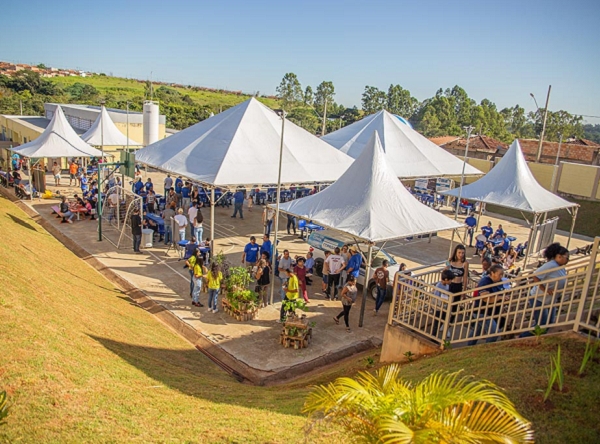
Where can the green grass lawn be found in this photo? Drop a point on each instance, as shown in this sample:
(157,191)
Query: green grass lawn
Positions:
(588,217)
(81,363)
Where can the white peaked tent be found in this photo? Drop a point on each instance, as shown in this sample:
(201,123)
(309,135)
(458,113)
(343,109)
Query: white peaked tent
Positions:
(59,139)
(370,203)
(112,135)
(240,146)
(511,184)
(408,153)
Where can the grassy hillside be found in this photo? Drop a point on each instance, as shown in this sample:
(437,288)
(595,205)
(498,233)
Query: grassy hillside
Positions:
(128,89)
(83,364)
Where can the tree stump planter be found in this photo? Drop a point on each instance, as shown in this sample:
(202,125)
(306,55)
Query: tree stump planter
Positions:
(295,333)
(243,313)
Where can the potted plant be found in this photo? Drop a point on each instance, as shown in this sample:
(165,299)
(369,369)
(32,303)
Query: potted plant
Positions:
(296,332)
(239,302)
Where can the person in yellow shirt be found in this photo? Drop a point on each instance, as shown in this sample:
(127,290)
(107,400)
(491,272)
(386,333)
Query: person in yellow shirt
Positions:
(214,278)
(199,271)
(291,292)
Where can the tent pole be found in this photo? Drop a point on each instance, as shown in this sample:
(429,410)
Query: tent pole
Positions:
(530,241)
(478,224)
(574,219)
(281,114)
(30,179)
(212,222)
(462,176)
(451,242)
(365,291)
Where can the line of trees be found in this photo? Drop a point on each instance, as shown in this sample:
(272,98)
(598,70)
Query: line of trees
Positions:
(444,114)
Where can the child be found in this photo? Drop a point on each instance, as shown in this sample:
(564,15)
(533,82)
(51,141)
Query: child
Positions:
(250,202)
(325,272)
(440,312)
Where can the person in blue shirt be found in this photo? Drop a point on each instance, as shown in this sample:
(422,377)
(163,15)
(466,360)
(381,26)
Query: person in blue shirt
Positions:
(310,263)
(499,233)
(84,183)
(186,197)
(138,186)
(267,246)
(484,298)
(354,263)
(149,184)
(471,222)
(251,252)
(488,230)
(238,201)
(178,187)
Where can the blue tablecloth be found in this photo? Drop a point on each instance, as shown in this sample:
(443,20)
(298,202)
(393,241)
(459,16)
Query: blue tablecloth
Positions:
(156,219)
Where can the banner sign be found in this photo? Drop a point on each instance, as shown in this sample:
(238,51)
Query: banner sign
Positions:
(322,242)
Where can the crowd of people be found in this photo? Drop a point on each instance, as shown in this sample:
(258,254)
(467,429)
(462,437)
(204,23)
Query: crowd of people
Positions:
(494,278)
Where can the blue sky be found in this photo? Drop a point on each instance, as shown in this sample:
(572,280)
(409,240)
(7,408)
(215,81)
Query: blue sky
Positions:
(497,50)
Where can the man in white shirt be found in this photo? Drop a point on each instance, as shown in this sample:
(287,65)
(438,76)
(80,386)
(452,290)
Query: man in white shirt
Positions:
(267,219)
(480,240)
(113,201)
(181,222)
(192,212)
(336,264)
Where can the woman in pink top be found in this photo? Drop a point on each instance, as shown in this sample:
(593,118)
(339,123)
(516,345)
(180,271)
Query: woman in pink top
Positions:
(300,271)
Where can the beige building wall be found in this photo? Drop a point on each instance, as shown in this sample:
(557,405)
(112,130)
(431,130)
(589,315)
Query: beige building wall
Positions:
(543,173)
(136,131)
(481,164)
(577,179)
(19,132)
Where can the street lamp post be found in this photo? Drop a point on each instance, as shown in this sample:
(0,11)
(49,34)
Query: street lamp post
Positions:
(100,173)
(281,113)
(539,151)
(462,176)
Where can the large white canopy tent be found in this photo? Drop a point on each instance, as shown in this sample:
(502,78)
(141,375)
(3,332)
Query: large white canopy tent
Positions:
(241,146)
(369,203)
(59,139)
(511,184)
(104,132)
(408,153)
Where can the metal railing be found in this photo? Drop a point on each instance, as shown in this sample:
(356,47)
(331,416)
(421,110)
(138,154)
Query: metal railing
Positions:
(570,301)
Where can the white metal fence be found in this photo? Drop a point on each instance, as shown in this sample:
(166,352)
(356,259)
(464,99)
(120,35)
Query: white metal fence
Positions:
(447,318)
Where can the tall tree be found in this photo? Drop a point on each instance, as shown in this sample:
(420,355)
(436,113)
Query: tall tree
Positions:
(289,91)
(309,96)
(373,100)
(323,98)
(517,123)
(557,122)
(399,101)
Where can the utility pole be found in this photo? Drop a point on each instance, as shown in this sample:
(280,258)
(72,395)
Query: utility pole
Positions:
(324,116)
(560,137)
(539,152)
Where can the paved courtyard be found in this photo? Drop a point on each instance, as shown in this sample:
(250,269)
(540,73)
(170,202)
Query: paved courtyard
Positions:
(160,275)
